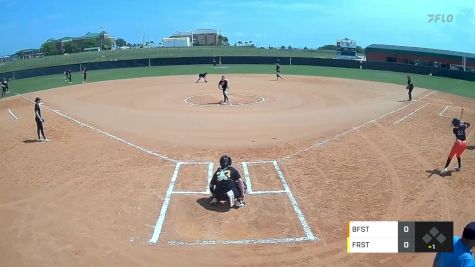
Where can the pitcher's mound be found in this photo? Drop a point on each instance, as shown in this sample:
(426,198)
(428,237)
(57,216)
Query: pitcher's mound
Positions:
(215,100)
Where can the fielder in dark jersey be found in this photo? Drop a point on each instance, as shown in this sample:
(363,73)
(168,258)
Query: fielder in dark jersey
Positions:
(277,71)
(68,75)
(227,184)
(223,85)
(409,87)
(5,83)
(39,121)
(460,143)
(4,87)
(84,72)
(202,75)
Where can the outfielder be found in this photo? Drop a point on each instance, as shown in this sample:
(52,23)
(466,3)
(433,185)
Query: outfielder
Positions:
(227,184)
(5,84)
(277,70)
(4,87)
(68,75)
(223,85)
(84,75)
(460,143)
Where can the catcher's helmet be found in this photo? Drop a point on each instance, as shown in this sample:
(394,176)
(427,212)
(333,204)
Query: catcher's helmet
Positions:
(225,161)
(455,122)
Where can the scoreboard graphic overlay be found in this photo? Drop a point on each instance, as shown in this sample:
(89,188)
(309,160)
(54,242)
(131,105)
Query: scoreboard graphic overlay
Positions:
(395,237)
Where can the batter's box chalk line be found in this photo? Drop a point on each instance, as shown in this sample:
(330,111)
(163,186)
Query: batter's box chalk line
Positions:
(308,234)
(451,109)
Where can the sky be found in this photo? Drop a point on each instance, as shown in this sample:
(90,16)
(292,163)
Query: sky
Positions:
(298,23)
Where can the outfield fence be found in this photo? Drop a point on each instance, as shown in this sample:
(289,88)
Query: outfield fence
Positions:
(164,52)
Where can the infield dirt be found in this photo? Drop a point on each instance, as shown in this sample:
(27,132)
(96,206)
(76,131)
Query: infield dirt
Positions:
(86,199)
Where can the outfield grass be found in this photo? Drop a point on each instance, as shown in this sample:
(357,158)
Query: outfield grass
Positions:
(138,53)
(458,87)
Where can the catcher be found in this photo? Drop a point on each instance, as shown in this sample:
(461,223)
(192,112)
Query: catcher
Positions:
(227,184)
(460,144)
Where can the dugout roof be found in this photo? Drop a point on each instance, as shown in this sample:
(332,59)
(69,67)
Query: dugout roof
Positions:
(418,51)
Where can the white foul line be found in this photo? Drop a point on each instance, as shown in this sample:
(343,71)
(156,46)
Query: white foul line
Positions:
(338,135)
(293,202)
(12,114)
(427,95)
(410,114)
(148,151)
(163,212)
(241,242)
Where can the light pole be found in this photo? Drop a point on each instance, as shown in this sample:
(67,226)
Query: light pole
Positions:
(102,37)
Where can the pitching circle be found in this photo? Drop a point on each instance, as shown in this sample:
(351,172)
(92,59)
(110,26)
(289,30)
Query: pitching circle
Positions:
(209,100)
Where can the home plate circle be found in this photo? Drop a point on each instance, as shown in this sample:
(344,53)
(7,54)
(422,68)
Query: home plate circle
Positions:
(216,100)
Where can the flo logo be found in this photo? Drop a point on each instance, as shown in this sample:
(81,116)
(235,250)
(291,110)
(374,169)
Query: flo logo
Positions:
(440,17)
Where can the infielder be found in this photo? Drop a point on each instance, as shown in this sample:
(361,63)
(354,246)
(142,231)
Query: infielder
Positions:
(202,75)
(227,184)
(460,143)
(223,85)
(39,121)
(409,87)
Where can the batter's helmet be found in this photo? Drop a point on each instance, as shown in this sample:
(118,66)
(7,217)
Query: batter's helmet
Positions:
(455,122)
(225,161)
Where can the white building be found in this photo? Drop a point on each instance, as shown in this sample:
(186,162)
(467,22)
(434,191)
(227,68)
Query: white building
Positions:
(176,42)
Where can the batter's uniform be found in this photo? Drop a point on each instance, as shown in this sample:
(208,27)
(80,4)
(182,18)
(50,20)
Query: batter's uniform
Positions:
(461,140)
(460,144)
(223,84)
(225,179)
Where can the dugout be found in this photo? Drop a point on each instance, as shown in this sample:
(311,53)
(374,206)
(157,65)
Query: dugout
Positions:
(417,56)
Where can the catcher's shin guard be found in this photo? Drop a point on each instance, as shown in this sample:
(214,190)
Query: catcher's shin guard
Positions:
(230,194)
